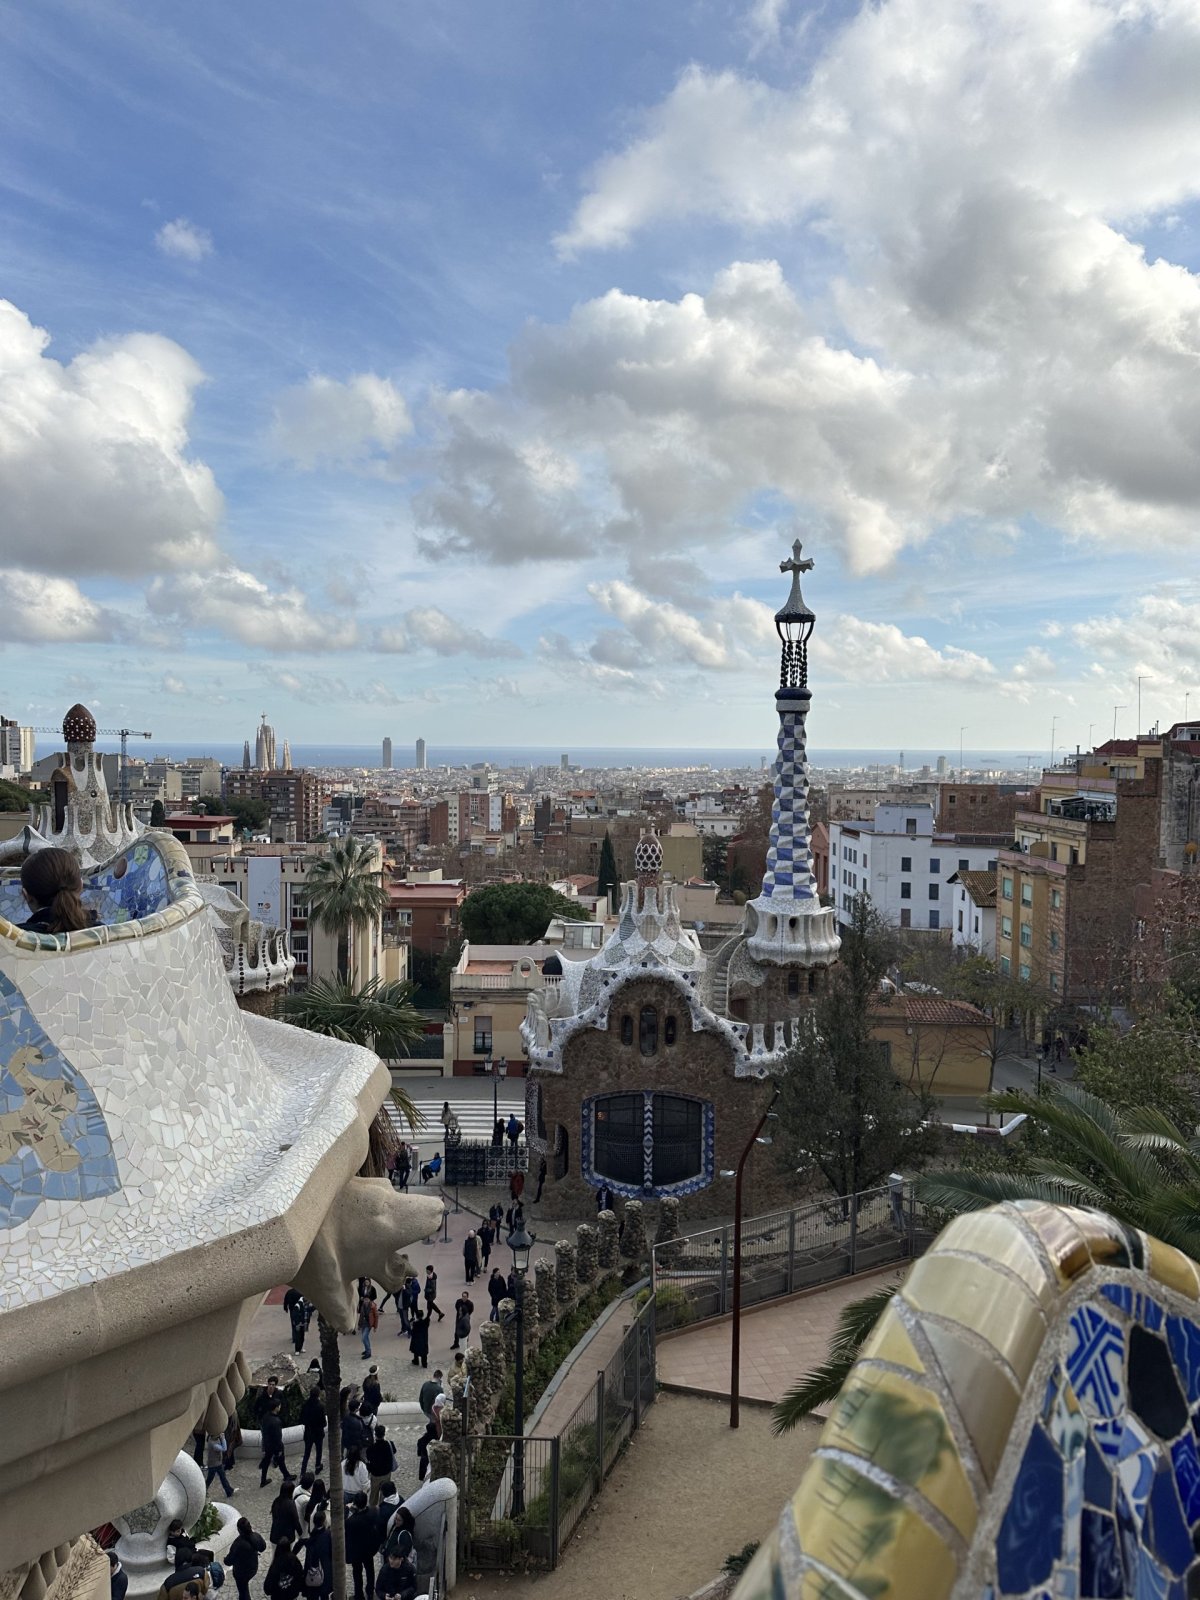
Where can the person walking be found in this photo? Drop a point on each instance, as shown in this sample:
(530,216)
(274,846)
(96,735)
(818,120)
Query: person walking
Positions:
(368,1319)
(487,1237)
(215,1450)
(464,1310)
(272,1446)
(318,1497)
(233,1439)
(498,1134)
(431,1304)
(300,1314)
(242,1556)
(355,1477)
(318,1559)
(418,1339)
(372,1396)
(285,1575)
(497,1289)
(471,1255)
(312,1420)
(362,1541)
(381,1463)
(355,1432)
(542,1170)
(513,1130)
(430,1389)
(266,1398)
(285,1517)
(604,1199)
(433,1432)
(403,1169)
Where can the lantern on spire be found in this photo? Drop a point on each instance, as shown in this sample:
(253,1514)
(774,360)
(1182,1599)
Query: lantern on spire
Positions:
(794,624)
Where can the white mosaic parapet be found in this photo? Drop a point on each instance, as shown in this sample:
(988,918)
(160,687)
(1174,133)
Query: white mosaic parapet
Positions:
(257,957)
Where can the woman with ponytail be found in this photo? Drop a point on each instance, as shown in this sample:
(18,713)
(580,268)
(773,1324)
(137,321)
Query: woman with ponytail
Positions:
(52,885)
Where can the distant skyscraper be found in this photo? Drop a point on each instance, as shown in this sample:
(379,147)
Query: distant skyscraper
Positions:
(564,761)
(264,747)
(246,756)
(941,766)
(420,755)
(286,760)
(387,755)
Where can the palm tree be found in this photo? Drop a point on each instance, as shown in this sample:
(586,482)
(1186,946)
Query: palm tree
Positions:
(344,891)
(1133,1163)
(380,1017)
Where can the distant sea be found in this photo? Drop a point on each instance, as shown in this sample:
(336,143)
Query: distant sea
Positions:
(585,756)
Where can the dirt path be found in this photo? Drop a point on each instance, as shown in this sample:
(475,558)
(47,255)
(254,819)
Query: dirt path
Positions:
(688,1492)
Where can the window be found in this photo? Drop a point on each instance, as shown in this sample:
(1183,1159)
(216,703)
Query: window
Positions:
(793,984)
(1054,852)
(864,858)
(935,920)
(960,922)
(964,866)
(483,1035)
(1055,900)
(906,891)
(1006,927)
(1026,894)
(1053,941)
(1006,888)
(1027,936)
(648,1031)
(910,827)
(626,1029)
(905,917)
(648,1142)
(1074,857)
(669,1027)
(935,863)
(812,983)
(935,891)
(1024,972)
(951,799)
(1005,965)
(905,863)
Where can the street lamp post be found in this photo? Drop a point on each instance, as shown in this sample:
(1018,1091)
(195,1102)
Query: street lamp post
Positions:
(521,1244)
(735,1366)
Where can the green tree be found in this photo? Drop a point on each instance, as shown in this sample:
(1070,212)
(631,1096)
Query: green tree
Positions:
(841,1107)
(249,816)
(606,872)
(1154,1063)
(1132,1163)
(514,913)
(158,815)
(14,798)
(344,892)
(716,854)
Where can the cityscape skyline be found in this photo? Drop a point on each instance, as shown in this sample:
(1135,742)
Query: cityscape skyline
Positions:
(523,440)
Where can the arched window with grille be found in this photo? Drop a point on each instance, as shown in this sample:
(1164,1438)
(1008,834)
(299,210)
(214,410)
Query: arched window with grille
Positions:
(648,1143)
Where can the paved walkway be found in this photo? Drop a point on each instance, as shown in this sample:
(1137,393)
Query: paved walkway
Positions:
(780,1342)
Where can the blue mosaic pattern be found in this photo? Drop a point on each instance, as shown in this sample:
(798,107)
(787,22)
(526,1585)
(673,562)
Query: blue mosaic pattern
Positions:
(127,889)
(647,1189)
(1106,1501)
(789,873)
(54,1142)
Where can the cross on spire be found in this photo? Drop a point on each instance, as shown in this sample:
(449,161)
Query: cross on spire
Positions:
(796,565)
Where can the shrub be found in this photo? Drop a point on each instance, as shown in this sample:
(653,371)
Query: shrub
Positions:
(737,1564)
(207,1523)
(292,1396)
(672,1306)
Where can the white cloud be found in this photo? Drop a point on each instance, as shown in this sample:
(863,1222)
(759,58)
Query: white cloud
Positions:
(1035,663)
(559,653)
(174,685)
(93,471)
(239,606)
(428,628)
(324,422)
(184,240)
(1158,637)
(659,631)
(35,609)
(858,651)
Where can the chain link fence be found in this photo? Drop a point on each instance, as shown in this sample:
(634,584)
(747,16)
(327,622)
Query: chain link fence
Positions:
(784,1251)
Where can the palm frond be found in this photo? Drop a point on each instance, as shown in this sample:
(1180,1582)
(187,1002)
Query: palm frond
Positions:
(819,1388)
(974,1191)
(380,1015)
(858,1320)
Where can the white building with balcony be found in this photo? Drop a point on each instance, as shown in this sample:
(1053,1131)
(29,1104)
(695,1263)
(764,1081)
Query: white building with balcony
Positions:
(905,867)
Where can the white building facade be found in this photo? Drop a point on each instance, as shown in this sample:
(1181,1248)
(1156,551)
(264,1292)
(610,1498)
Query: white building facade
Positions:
(903,865)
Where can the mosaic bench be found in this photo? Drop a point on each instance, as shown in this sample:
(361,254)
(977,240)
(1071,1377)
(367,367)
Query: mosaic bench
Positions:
(1022,1425)
(141,881)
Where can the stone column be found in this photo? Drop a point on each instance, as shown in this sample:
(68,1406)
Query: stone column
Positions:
(443,1461)
(564,1260)
(667,1236)
(481,1394)
(491,1337)
(546,1291)
(587,1251)
(608,1248)
(633,1240)
(508,1329)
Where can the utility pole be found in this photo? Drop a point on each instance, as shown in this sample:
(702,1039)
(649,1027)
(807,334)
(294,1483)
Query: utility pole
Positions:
(1143,677)
(1053,733)
(1115,710)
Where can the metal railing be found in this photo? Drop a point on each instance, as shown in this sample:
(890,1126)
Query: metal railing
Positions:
(501,1529)
(473,1161)
(784,1251)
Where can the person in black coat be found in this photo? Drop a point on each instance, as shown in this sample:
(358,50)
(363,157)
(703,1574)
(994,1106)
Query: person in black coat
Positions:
(285,1575)
(285,1517)
(418,1340)
(118,1578)
(242,1559)
(497,1291)
(312,1420)
(362,1541)
(272,1446)
(318,1552)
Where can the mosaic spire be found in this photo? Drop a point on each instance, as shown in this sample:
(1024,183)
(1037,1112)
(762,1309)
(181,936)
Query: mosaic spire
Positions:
(786,923)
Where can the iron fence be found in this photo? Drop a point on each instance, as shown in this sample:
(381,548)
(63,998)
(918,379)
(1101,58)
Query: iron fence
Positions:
(784,1251)
(473,1161)
(520,1500)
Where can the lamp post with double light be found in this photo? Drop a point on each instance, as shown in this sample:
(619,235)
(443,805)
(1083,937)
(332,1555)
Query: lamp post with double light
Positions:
(521,1244)
(735,1371)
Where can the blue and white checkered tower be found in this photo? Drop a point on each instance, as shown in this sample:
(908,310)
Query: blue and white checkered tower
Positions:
(786,924)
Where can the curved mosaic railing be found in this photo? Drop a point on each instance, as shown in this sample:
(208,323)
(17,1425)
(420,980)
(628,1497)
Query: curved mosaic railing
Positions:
(1022,1425)
(144,888)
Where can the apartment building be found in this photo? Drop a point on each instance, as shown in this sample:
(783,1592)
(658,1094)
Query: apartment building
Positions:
(904,865)
(423,911)
(973,912)
(295,800)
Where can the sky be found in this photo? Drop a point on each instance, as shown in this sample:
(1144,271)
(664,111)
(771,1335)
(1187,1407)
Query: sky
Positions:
(467,370)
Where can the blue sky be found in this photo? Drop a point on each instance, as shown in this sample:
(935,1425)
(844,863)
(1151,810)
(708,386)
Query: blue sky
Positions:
(469,368)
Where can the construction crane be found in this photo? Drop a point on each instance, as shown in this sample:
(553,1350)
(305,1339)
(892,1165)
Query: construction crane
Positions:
(125,735)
